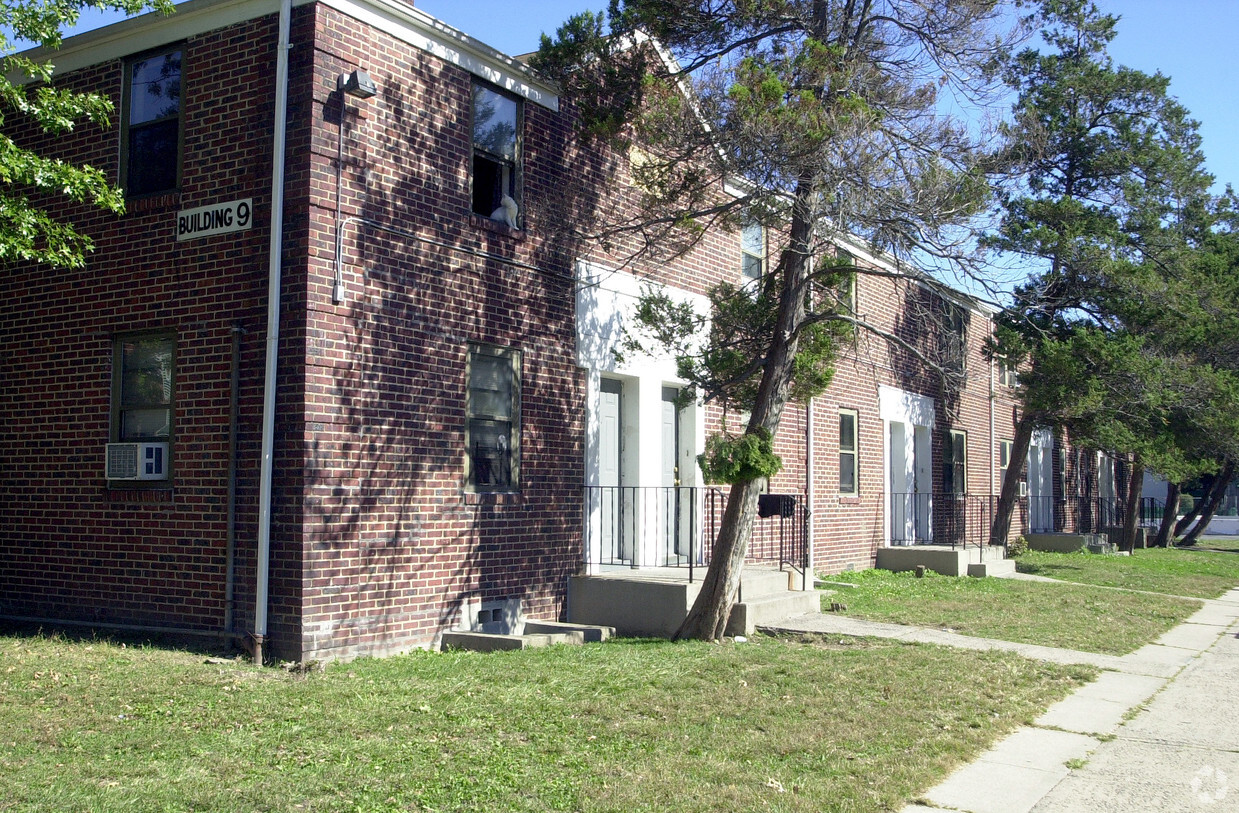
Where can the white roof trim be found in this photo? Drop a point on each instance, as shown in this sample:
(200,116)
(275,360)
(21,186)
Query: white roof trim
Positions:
(398,19)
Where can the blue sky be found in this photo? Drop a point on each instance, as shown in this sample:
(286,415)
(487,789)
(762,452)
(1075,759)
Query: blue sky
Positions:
(1192,41)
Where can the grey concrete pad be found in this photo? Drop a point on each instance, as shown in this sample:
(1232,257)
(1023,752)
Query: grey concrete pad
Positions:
(1216,612)
(924,809)
(1013,775)
(1193,636)
(1123,776)
(1157,660)
(1039,748)
(1099,707)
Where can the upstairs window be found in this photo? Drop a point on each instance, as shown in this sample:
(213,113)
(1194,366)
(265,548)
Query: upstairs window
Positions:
(142,388)
(152,152)
(493,429)
(1006,373)
(753,251)
(847,289)
(954,338)
(1004,460)
(955,463)
(847,453)
(496,154)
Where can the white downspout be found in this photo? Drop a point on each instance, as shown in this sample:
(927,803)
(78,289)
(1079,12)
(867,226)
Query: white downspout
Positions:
(810,564)
(273,330)
(993,394)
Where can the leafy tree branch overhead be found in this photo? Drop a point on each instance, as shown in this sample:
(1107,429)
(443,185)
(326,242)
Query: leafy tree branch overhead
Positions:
(28,180)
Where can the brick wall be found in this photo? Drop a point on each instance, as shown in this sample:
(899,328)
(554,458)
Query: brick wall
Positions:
(73,548)
(394,545)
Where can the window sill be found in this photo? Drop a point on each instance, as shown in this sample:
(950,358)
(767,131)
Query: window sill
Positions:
(487,224)
(492,498)
(139,494)
(849,499)
(157,202)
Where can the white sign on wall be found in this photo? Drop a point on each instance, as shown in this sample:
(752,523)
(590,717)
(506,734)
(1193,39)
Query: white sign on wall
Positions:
(219,218)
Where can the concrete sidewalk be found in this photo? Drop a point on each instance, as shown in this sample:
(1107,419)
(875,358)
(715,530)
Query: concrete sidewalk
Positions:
(1180,752)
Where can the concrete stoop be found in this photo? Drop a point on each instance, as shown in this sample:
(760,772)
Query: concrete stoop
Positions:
(652,604)
(1069,543)
(978,561)
(534,634)
(995,568)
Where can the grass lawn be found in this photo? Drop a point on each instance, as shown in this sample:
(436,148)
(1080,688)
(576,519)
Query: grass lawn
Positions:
(1158,570)
(1060,615)
(811,724)
(1206,542)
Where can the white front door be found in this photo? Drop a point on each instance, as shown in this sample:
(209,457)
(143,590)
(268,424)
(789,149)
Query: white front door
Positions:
(615,543)
(1041,482)
(909,487)
(1108,510)
(670,506)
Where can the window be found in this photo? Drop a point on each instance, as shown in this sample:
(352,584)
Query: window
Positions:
(152,113)
(142,388)
(955,459)
(955,338)
(496,159)
(492,430)
(1006,373)
(847,289)
(1004,460)
(753,251)
(847,452)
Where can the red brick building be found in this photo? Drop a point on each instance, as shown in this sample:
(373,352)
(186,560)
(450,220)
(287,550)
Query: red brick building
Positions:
(444,384)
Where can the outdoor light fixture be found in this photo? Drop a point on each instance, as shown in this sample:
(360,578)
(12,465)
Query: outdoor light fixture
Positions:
(358,84)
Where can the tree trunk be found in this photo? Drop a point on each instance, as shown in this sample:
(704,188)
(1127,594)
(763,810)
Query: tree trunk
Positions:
(1135,487)
(1197,507)
(1010,492)
(712,608)
(707,619)
(1169,514)
(1212,500)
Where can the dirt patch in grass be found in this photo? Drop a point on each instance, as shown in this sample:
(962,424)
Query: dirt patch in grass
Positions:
(808,724)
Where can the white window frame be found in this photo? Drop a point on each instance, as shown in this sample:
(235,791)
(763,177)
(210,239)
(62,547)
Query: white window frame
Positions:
(957,486)
(749,257)
(853,452)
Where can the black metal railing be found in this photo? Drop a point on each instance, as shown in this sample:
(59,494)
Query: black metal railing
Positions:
(940,518)
(676,527)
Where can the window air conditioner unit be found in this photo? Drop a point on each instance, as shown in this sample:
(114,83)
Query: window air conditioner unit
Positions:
(137,461)
(1023,488)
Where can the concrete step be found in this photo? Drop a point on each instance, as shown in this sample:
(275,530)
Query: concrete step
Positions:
(535,634)
(758,582)
(999,568)
(750,614)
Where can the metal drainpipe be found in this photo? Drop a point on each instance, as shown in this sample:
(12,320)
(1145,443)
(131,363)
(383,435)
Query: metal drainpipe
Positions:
(230,555)
(808,487)
(993,394)
(273,331)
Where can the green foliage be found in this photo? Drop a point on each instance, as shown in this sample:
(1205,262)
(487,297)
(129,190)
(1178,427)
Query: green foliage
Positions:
(28,181)
(1017,548)
(1113,211)
(739,458)
(1187,503)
